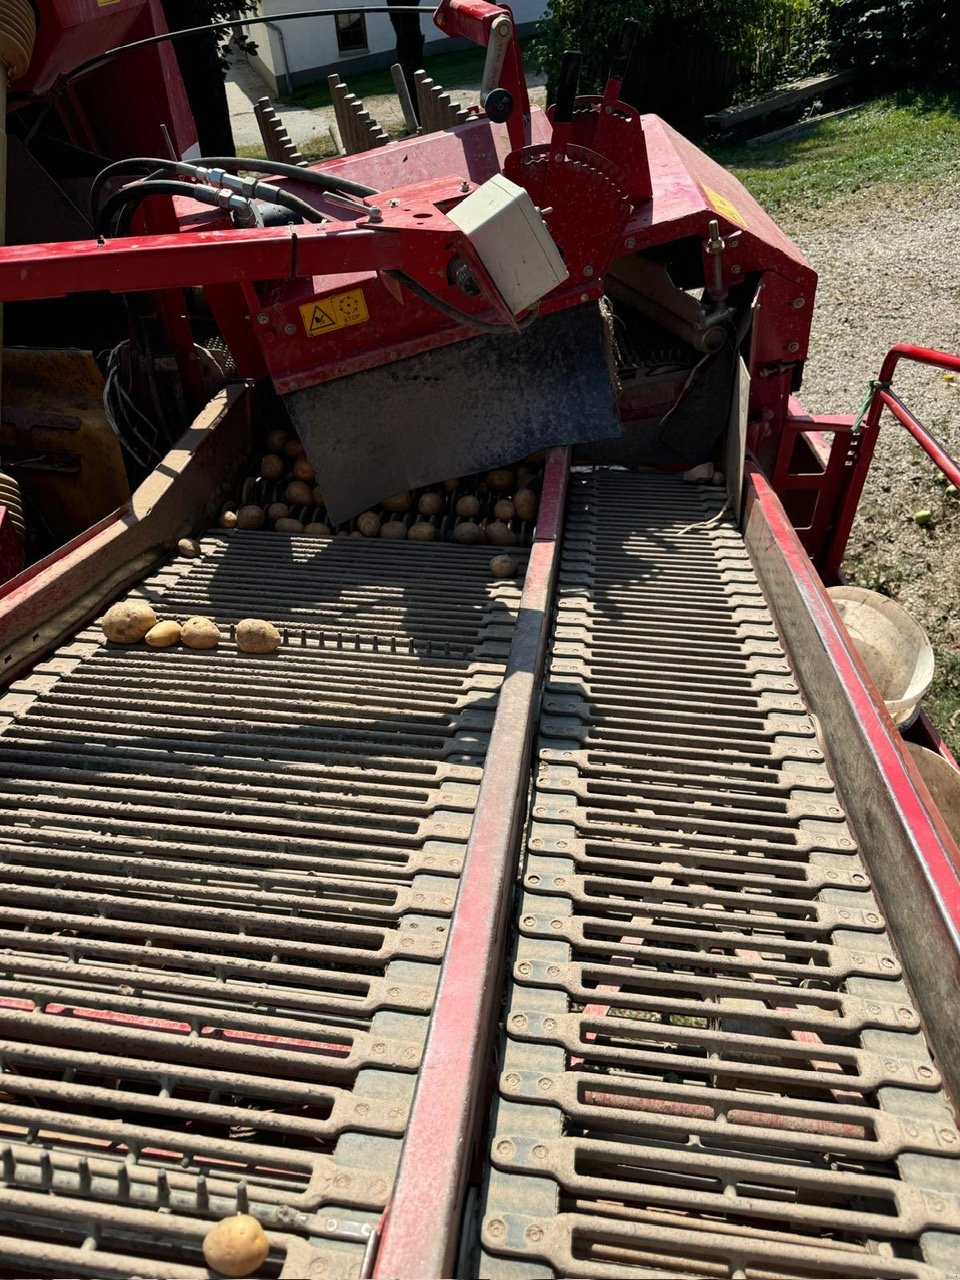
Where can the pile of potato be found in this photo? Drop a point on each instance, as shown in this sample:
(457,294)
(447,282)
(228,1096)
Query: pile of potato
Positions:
(498,509)
(130,621)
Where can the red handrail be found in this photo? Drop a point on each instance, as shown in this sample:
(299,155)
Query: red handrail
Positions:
(868,427)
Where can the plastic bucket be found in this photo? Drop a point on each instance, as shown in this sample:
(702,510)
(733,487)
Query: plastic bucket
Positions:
(893,646)
(943,783)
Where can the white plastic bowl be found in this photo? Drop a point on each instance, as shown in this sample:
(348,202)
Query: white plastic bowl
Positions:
(893,646)
(943,783)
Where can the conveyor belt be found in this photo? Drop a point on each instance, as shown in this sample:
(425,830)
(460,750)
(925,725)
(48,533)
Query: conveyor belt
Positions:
(711,1063)
(226,888)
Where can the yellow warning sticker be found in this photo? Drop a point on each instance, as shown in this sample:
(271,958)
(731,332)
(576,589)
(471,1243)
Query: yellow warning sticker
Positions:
(724,207)
(326,315)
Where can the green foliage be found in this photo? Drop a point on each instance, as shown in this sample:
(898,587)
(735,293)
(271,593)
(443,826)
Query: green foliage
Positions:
(694,55)
(906,41)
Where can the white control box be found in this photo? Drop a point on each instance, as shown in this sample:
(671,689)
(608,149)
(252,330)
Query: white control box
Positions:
(512,241)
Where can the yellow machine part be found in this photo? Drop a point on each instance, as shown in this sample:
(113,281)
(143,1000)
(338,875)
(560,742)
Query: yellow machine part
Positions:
(56,440)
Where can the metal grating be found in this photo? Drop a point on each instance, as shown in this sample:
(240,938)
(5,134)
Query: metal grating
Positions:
(711,1065)
(226,889)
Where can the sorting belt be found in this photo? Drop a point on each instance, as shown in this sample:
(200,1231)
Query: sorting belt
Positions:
(711,1064)
(225,893)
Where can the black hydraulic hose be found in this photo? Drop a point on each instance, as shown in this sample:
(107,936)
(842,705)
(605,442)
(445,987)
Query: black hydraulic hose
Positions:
(134,193)
(127,198)
(313,177)
(309,177)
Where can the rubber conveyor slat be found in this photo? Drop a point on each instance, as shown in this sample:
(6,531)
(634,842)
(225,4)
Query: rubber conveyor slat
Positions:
(711,1064)
(224,899)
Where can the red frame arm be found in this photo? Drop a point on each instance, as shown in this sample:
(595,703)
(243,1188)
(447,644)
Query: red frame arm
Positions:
(885,398)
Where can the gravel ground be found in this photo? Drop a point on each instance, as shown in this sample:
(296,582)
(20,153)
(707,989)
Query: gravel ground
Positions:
(890,272)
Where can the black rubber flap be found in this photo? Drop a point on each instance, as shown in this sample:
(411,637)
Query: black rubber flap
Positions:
(457,410)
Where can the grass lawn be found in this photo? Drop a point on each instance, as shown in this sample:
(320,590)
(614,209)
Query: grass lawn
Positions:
(908,140)
(462,66)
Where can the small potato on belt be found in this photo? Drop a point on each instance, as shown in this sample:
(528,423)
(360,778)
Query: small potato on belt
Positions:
(128,621)
(200,633)
(254,635)
(164,635)
(236,1246)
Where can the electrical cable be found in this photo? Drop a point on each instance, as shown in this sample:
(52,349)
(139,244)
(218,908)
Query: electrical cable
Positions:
(309,177)
(229,24)
(461,317)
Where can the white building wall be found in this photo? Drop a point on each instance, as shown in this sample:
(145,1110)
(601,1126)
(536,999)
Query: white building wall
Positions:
(293,53)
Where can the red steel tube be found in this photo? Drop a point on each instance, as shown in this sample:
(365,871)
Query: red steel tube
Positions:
(422,1223)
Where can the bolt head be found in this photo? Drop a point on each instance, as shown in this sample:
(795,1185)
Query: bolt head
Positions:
(587,272)
(263,318)
(289,330)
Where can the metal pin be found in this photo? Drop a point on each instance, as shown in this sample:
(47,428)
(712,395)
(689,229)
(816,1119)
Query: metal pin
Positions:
(243,1200)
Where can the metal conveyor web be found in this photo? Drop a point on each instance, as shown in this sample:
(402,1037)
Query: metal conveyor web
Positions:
(711,1064)
(224,899)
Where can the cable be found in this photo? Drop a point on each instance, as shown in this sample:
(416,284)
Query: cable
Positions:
(309,177)
(228,24)
(462,317)
(124,201)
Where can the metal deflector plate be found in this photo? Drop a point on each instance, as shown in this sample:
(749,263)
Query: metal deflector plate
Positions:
(457,410)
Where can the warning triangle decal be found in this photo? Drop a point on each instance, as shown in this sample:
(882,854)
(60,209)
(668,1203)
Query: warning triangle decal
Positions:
(320,320)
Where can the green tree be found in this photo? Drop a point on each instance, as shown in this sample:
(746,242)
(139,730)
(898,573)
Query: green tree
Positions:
(902,41)
(693,55)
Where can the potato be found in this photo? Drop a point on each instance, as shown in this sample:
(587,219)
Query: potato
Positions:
(228,520)
(293,448)
(288,525)
(277,511)
(250,517)
(189,547)
(253,635)
(451,486)
(394,529)
(272,466)
(303,470)
(200,633)
(369,524)
(128,621)
(399,503)
(164,635)
(525,475)
(298,493)
(501,479)
(504,509)
(277,440)
(316,494)
(499,534)
(423,531)
(318,530)
(468,507)
(356,534)
(467,532)
(236,1246)
(504,567)
(526,503)
(431,504)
